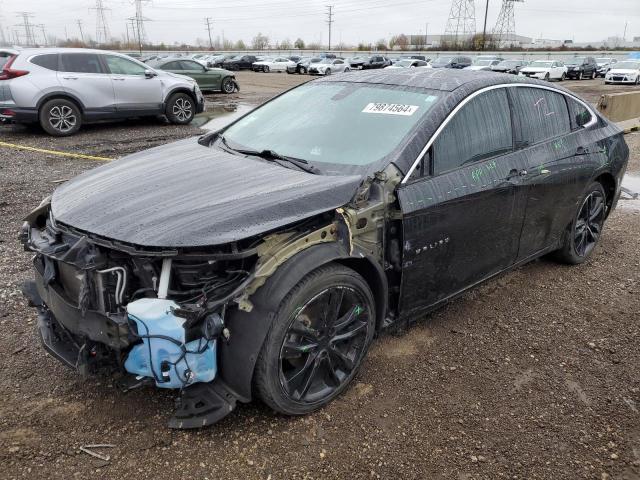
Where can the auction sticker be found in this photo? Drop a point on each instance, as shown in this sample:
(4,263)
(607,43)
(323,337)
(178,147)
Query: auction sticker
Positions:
(390,109)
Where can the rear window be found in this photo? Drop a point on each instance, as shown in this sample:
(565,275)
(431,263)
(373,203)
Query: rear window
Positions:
(540,115)
(49,61)
(80,63)
(4,58)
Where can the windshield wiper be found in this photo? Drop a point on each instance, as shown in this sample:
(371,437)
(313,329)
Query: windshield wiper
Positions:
(272,156)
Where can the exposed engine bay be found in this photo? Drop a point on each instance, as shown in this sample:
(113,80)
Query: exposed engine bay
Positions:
(153,316)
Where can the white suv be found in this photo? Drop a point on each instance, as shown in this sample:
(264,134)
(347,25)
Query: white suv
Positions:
(61,88)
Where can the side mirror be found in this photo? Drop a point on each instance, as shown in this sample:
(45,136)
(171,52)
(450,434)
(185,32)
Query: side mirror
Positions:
(150,73)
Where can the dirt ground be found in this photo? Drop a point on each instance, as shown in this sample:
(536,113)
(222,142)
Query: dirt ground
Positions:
(532,375)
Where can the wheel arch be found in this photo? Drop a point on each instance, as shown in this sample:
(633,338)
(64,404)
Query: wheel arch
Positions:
(180,89)
(60,95)
(608,182)
(249,329)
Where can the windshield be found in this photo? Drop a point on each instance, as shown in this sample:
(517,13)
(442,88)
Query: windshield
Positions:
(442,60)
(603,60)
(333,125)
(576,61)
(482,63)
(404,63)
(540,64)
(626,65)
(509,63)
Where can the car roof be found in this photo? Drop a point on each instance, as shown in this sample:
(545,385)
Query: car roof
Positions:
(34,51)
(447,80)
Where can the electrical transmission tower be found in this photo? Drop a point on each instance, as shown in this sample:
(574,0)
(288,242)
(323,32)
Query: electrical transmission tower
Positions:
(139,19)
(330,21)
(505,28)
(461,25)
(209,23)
(79,22)
(102,28)
(29,37)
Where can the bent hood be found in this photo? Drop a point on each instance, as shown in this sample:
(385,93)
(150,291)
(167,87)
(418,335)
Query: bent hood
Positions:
(187,195)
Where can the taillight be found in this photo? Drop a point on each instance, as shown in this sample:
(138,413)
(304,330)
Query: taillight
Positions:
(8,73)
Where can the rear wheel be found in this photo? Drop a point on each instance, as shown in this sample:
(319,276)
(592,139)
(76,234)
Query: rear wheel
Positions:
(327,71)
(594,75)
(583,234)
(265,69)
(547,77)
(580,75)
(60,117)
(303,70)
(319,337)
(180,109)
(563,77)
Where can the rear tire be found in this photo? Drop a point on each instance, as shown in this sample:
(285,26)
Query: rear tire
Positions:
(327,71)
(310,355)
(582,236)
(580,76)
(265,69)
(181,108)
(60,117)
(563,77)
(594,75)
(547,77)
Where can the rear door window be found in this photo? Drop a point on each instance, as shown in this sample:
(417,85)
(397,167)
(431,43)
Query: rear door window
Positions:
(80,63)
(539,115)
(579,114)
(172,66)
(48,61)
(190,65)
(480,130)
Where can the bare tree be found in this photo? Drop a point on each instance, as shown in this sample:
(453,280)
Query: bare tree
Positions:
(260,42)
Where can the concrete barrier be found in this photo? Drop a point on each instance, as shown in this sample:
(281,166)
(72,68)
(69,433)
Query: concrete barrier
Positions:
(618,107)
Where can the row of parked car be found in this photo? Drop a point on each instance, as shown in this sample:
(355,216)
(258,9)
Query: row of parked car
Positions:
(579,67)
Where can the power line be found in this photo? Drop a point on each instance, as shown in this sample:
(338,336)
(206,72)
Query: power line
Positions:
(102,28)
(209,21)
(330,21)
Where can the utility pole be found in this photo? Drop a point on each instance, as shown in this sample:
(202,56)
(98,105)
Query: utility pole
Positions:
(3,39)
(209,21)
(44,34)
(80,28)
(484,29)
(127,30)
(426,34)
(102,29)
(624,35)
(330,21)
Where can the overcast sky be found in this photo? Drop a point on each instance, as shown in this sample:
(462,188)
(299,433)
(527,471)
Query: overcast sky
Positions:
(355,20)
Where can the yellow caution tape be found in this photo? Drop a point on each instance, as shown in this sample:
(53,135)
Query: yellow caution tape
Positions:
(55,152)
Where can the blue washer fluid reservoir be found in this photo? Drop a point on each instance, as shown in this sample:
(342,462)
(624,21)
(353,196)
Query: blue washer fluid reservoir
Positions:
(173,364)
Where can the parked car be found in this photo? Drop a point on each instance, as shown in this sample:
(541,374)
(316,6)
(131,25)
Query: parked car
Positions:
(581,67)
(302,66)
(625,71)
(408,63)
(63,88)
(327,66)
(604,65)
(260,260)
(277,64)
(545,70)
(482,64)
(451,62)
(212,79)
(239,62)
(294,58)
(327,55)
(510,66)
(217,63)
(417,57)
(369,62)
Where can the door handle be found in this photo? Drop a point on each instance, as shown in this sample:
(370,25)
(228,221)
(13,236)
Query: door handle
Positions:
(516,173)
(582,150)
(70,78)
(119,78)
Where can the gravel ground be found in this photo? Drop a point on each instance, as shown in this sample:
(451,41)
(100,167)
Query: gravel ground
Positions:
(532,375)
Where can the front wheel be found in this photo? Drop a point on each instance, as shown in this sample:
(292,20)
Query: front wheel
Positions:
(60,117)
(347,69)
(228,85)
(582,236)
(265,69)
(319,337)
(327,71)
(594,75)
(180,109)
(547,77)
(563,77)
(303,70)
(580,76)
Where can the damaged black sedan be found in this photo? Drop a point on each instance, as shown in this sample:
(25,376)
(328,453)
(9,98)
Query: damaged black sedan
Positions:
(260,261)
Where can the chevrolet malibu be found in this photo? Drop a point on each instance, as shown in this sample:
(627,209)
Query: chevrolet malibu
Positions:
(261,260)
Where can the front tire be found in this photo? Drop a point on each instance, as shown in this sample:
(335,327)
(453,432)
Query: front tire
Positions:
(547,77)
(582,236)
(319,337)
(265,69)
(60,117)
(327,71)
(580,76)
(228,85)
(563,77)
(181,109)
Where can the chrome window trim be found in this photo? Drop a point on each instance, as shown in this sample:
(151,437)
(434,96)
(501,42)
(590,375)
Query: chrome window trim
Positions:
(593,121)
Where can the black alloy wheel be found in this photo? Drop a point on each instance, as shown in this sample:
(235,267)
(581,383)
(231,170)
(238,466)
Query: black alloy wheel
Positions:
(319,338)
(588,225)
(582,236)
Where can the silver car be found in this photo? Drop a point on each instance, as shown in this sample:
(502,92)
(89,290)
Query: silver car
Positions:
(328,66)
(62,88)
